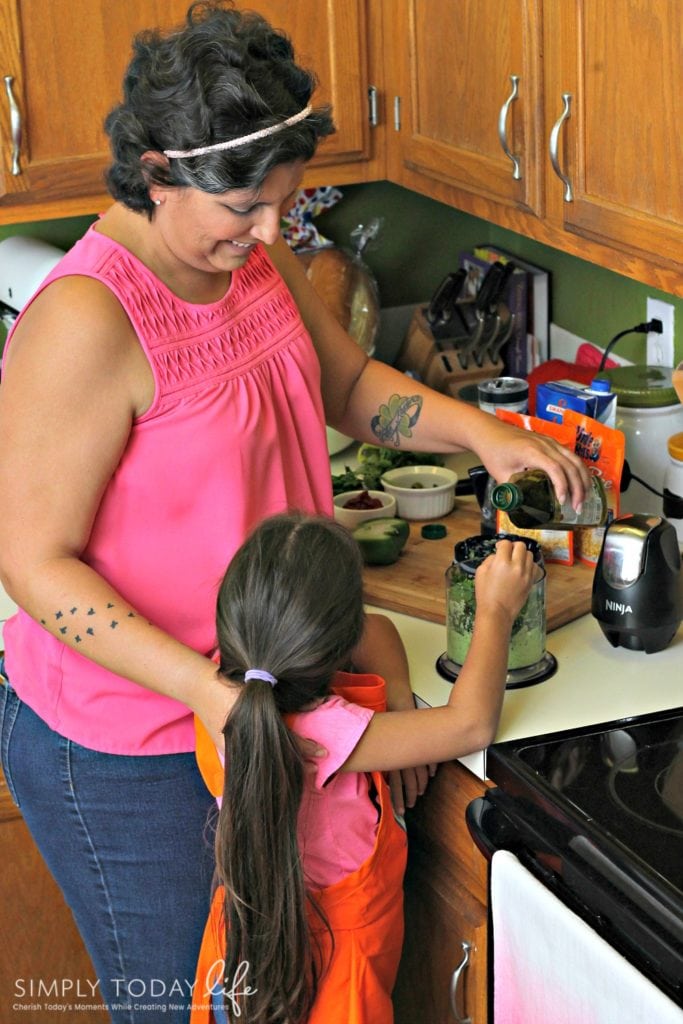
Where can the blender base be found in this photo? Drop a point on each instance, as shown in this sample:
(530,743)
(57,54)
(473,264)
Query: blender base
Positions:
(516,678)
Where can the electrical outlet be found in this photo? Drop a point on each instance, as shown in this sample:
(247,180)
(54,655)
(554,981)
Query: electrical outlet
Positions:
(660,347)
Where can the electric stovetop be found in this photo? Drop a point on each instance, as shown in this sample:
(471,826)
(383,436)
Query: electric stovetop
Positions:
(603,806)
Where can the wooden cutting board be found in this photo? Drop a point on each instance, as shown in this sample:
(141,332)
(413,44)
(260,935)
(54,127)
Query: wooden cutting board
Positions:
(415,585)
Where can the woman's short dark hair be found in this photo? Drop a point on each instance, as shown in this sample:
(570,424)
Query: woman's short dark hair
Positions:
(224,74)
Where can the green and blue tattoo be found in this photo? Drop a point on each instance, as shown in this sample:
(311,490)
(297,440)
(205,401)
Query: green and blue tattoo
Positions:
(396,419)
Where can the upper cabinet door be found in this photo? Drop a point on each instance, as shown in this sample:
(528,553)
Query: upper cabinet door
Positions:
(621,148)
(332,39)
(467,82)
(62,63)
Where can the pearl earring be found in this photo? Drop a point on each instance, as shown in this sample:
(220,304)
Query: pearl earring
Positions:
(157,202)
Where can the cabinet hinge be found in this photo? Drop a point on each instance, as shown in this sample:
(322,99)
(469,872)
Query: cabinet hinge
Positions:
(372,106)
(397,113)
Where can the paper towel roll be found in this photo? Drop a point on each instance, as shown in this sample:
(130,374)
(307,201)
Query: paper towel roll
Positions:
(24,264)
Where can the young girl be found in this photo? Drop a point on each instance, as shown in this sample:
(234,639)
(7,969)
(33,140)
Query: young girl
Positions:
(307,920)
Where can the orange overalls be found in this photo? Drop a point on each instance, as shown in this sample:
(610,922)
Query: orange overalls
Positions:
(364,910)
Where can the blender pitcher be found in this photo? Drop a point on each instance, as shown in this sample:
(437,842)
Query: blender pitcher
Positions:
(528,660)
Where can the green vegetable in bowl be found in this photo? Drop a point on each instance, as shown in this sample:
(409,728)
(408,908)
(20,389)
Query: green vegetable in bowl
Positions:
(374,461)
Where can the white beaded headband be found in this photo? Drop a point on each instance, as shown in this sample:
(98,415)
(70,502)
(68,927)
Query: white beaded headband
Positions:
(232,143)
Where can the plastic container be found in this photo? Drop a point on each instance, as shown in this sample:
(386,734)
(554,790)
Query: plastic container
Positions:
(527,643)
(673,485)
(648,413)
(510,393)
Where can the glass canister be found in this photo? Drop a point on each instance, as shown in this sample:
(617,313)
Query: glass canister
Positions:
(527,643)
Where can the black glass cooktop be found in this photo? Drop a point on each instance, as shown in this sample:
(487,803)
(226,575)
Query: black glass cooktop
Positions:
(620,785)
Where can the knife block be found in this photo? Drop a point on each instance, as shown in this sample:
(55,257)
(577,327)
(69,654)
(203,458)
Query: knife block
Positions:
(418,349)
(438,366)
(445,373)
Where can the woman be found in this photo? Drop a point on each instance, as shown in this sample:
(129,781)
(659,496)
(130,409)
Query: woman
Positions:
(165,389)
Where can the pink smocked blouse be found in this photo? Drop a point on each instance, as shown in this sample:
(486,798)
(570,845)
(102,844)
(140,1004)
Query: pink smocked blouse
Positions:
(235,432)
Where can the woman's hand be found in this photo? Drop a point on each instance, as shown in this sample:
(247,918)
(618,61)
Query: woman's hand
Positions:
(503,580)
(506,450)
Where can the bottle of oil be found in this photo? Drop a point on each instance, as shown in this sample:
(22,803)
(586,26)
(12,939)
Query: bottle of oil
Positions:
(531,503)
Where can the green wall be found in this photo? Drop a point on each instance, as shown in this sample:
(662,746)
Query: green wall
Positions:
(420,243)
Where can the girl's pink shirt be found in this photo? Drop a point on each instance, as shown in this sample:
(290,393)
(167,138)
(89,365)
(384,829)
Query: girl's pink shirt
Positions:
(235,433)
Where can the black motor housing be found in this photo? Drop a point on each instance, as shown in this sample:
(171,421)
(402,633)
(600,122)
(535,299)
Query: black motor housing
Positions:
(638,585)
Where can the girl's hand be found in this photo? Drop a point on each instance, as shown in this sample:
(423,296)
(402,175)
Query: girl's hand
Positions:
(503,580)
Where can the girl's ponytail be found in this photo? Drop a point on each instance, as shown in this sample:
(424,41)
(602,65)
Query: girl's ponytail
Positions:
(267,934)
(291,604)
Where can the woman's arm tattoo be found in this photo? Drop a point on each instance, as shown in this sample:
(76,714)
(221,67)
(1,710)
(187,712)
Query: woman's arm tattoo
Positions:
(396,419)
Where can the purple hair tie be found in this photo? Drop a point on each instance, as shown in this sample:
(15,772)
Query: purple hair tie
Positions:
(259,673)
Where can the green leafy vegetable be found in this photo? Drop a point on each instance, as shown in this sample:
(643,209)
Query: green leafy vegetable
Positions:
(374,461)
(347,481)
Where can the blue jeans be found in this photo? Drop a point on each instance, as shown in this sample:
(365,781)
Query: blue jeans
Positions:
(128,841)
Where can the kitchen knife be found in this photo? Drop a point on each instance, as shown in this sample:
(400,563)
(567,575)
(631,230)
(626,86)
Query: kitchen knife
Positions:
(442,304)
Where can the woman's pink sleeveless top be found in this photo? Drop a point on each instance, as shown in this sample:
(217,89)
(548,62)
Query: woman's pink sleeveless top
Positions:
(235,432)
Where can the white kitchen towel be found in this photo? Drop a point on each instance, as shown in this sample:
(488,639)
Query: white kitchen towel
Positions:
(550,967)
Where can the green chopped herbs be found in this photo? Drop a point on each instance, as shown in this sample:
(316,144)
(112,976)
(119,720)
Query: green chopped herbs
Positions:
(348,481)
(374,461)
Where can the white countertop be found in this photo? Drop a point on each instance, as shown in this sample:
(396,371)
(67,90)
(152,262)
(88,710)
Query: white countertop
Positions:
(594,682)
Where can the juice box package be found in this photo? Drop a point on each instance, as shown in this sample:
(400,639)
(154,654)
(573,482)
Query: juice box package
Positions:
(556,397)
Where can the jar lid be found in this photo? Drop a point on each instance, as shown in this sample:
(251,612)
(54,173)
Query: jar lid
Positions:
(675,446)
(468,554)
(433,531)
(642,387)
(503,390)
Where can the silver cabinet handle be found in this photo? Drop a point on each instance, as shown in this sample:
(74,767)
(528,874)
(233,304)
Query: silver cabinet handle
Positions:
(372,105)
(554,142)
(502,127)
(455,981)
(15,124)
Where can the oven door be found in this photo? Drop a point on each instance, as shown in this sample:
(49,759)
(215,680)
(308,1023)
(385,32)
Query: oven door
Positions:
(556,916)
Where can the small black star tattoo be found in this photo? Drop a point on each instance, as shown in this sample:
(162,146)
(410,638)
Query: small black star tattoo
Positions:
(73,610)
(113,623)
(109,604)
(90,631)
(62,630)
(77,638)
(91,611)
(59,615)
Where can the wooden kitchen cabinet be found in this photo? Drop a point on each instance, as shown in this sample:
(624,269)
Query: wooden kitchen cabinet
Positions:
(452,68)
(449,67)
(446,896)
(63,62)
(622,144)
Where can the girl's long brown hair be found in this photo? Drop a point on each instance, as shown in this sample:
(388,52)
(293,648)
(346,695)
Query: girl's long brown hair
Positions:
(290,603)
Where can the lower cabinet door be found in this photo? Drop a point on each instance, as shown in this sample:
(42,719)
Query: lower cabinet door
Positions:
(443,973)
